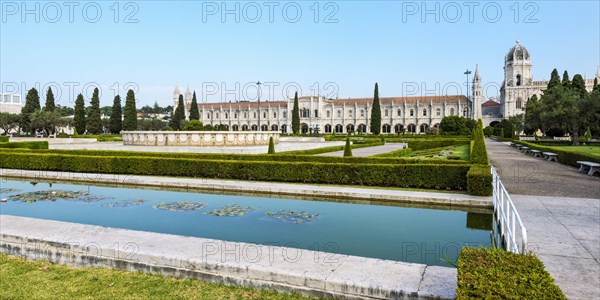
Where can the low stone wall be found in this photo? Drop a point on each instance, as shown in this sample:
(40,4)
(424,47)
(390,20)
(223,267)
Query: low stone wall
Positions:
(198,138)
(313,273)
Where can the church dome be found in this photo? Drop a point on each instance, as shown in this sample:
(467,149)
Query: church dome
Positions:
(517,52)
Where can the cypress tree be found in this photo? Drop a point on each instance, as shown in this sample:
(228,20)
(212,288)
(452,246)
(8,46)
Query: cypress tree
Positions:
(596,86)
(296,116)
(271,146)
(578,85)
(194,114)
(32,104)
(116,121)
(130,115)
(179,115)
(565,79)
(376,113)
(79,118)
(94,121)
(50,106)
(347,148)
(554,79)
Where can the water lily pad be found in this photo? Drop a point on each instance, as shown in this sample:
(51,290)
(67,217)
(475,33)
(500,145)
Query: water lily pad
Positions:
(233,210)
(53,195)
(292,216)
(126,203)
(7,190)
(181,206)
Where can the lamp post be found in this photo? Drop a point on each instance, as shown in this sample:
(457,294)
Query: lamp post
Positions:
(467,72)
(258,91)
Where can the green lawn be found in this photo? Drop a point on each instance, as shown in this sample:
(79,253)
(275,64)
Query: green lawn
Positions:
(449,152)
(590,150)
(20,279)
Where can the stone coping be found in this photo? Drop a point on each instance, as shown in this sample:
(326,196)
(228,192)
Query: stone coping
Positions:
(311,190)
(284,269)
(198,138)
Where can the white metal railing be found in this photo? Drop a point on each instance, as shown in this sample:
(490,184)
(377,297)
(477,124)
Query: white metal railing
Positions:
(506,219)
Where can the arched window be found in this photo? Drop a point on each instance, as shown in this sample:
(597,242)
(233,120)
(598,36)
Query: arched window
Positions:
(275,116)
(274,127)
(255,127)
(399,112)
(385,113)
(438,112)
(412,112)
(226,116)
(424,128)
(316,113)
(208,115)
(387,128)
(350,113)
(216,115)
(519,103)
(327,127)
(328,113)
(264,115)
(235,115)
(339,128)
(362,112)
(412,128)
(424,111)
(339,113)
(518,80)
(255,115)
(245,115)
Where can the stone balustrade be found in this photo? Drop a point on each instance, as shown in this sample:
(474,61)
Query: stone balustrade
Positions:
(198,138)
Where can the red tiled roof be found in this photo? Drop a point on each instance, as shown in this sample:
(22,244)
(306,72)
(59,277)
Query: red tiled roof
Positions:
(490,103)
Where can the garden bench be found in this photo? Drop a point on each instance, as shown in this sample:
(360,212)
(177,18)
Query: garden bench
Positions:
(536,153)
(39,135)
(589,167)
(512,144)
(550,156)
(524,149)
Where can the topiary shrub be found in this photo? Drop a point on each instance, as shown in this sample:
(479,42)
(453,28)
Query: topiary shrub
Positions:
(478,149)
(347,148)
(271,146)
(479,181)
(491,273)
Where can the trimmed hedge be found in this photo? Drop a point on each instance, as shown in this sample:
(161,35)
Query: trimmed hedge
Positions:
(478,150)
(388,175)
(249,157)
(331,149)
(395,153)
(564,156)
(490,273)
(4,139)
(427,144)
(479,181)
(26,145)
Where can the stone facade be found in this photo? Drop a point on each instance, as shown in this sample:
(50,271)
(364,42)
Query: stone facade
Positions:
(10,103)
(414,114)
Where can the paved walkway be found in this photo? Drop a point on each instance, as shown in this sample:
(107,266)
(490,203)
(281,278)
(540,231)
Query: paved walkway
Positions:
(370,151)
(561,211)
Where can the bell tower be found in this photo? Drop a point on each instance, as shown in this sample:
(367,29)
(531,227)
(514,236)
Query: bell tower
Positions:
(477,94)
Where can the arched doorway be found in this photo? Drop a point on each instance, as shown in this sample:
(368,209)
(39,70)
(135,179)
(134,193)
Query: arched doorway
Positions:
(327,128)
(339,128)
(244,127)
(412,128)
(304,128)
(350,128)
(274,127)
(424,128)
(254,127)
(235,128)
(387,128)
(283,128)
(362,128)
(264,127)
(399,128)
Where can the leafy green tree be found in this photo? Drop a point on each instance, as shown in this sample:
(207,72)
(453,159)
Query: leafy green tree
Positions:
(50,106)
(532,121)
(456,125)
(208,127)
(376,113)
(157,109)
(152,124)
(179,115)
(79,117)
(193,125)
(8,121)
(47,121)
(518,125)
(271,146)
(561,109)
(296,116)
(590,112)
(130,115)
(32,104)
(116,116)
(488,131)
(347,148)
(94,120)
(194,113)
(578,85)
(554,79)
(565,79)
(65,110)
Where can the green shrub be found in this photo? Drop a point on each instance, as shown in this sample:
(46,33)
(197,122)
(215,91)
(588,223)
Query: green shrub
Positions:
(386,175)
(347,148)
(478,150)
(167,128)
(395,153)
(193,125)
(271,146)
(355,145)
(26,145)
(564,156)
(435,143)
(4,139)
(490,273)
(479,181)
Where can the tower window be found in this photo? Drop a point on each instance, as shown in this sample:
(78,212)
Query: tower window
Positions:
(519,103)
(518,80)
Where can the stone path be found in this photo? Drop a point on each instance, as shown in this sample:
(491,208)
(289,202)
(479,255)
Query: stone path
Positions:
(369,151)
(561,210)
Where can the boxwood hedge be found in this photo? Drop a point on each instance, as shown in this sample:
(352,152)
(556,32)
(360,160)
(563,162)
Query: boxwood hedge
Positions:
(490,273)
(4,138)
(25,145)
(564,156)
(386,175)
(479,181)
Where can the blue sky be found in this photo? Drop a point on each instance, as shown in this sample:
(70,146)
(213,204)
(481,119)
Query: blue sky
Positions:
(344,50)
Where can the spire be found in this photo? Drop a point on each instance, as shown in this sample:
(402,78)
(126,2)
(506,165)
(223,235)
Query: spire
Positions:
(176,88)
(476,77)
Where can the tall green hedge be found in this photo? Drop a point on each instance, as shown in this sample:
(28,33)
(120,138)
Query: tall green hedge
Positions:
(478,150)
(26,145)
(564,156)
(479,181)
(4,139)
(386,175)
(490,273)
